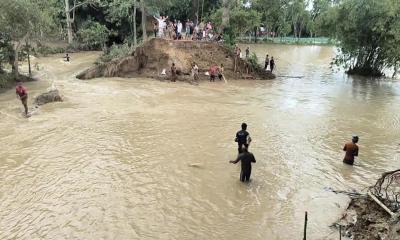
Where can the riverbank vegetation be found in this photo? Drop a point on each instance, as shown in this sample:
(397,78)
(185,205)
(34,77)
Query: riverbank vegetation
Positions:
(369,35)
(367,31)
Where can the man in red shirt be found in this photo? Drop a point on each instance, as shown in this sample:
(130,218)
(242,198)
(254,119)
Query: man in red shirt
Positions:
(213,72)
(22,94)
(351,150)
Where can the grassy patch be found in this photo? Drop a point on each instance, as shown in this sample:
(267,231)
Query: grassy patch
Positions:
(115,51)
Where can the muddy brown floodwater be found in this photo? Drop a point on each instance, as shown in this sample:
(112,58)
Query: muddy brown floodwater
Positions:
(142,159)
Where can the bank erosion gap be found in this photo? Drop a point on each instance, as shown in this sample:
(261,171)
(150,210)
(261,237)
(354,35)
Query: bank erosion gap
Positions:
(155,55)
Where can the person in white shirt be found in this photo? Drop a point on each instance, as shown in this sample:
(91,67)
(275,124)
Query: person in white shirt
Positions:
(180,27)
(161,25)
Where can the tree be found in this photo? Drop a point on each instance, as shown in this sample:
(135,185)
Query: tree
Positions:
(19,20)
(225,14)
(144,19)
(322,16)
(93,35)
(369,35)
(281,17)
(71,10)
(118,10)
(244,20)
(6,50)
(298,13)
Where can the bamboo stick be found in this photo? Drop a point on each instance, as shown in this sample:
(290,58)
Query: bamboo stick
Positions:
(305,226)
(381,204)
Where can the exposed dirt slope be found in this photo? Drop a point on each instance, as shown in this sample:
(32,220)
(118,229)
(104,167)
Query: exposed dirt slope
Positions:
(155,55)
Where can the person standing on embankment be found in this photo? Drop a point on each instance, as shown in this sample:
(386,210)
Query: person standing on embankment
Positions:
(351,150)
(272,64)
(266,62)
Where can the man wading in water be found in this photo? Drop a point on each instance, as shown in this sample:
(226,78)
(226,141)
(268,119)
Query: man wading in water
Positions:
(243,138)
(22,94)
(173,73)
(66,57)
(246,158)
(351,150)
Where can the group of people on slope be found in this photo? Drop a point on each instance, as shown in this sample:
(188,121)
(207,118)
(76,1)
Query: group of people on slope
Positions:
(177,30)
(268,61)
(214,72)
(246,158)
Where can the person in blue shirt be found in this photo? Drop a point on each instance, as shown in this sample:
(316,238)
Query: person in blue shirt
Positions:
(243,138)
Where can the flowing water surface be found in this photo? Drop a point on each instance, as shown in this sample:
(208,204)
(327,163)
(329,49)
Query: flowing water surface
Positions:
(143,159)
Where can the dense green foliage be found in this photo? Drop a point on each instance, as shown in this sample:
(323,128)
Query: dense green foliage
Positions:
(368,31)
(115,51)
(93,35)
(6,50)
(369,35)
(21,21)
(253,62)
(6,80)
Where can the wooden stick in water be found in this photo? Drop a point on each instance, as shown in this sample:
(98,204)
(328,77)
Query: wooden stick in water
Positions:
(305,226)
(381,204)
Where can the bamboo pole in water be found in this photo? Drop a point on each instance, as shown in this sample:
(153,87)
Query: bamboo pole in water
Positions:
(381,204)
(305,226)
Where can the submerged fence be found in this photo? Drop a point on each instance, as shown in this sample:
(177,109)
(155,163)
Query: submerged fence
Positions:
(289,40)
(387,188)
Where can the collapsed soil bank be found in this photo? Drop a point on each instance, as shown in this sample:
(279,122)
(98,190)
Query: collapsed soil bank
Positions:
(364,219)
(150,59)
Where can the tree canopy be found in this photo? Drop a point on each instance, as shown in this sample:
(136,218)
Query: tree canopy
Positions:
(369,35)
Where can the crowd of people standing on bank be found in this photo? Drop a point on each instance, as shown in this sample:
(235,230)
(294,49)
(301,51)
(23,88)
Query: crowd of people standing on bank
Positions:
(163,27)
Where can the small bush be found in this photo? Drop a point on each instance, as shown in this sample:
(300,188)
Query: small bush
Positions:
(44,50)
(253,61)
(229,38)
(115,51)
(93,35)
(6,80)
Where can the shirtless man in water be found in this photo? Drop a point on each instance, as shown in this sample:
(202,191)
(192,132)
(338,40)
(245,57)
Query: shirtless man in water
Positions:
(351,150)
(246,158)
(22,94)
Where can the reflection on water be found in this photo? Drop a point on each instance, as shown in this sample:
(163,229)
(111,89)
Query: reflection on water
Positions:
(141,159)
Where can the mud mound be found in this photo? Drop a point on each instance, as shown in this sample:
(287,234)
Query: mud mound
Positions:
(48,97)
(155,55)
